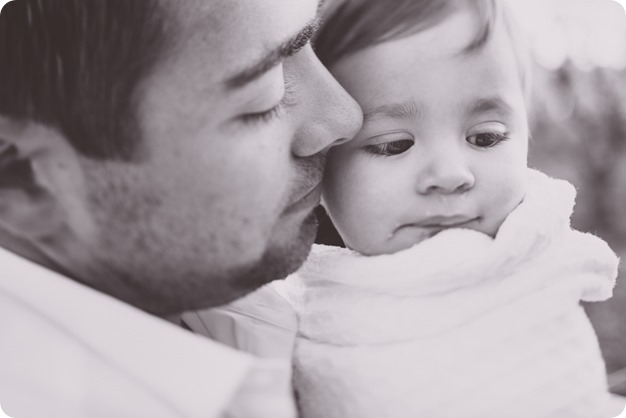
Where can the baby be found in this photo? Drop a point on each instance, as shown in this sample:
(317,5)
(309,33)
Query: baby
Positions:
(459,292)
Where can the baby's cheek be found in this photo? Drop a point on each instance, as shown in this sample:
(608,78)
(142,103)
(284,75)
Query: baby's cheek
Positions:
(406,238)
(504,203)
(518,183)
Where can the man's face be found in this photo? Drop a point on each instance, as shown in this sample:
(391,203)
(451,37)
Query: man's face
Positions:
(235,122)
(443,144)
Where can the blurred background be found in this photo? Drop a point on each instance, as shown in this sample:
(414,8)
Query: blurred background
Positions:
(578,124)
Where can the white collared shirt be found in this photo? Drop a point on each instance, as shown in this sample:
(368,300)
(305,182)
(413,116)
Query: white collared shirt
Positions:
(69,351)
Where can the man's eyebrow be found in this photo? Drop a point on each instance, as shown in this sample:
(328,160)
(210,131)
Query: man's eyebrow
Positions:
(404,110)
(488,104)
(275,56)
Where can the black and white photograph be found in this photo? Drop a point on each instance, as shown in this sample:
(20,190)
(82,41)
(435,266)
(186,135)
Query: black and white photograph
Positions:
(313,209)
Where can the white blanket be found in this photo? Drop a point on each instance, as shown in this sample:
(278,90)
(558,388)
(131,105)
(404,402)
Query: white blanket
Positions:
(460,325)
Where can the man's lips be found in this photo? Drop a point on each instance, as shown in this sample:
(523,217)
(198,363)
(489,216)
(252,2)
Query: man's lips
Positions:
(308,193)
(307,201)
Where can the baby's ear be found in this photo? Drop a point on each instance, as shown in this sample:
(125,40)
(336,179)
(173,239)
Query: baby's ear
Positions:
(31,203)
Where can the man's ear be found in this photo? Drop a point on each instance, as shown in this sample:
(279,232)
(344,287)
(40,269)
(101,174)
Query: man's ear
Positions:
(36,165)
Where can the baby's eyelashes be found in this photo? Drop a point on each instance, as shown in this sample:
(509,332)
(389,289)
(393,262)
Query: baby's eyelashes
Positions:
(488,134)
(389,143)
(487,139)
(390,148)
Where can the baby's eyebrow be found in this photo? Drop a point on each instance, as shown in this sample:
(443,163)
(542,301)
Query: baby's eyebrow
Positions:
(487,104)
(404,110)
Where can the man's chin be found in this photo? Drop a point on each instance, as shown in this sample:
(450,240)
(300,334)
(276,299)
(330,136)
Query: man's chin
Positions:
(284,258)
(277,262)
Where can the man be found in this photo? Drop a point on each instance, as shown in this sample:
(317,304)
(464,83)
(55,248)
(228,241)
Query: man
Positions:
(156,157)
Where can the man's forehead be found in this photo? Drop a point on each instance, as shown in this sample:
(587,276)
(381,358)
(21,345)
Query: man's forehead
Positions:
(234,33)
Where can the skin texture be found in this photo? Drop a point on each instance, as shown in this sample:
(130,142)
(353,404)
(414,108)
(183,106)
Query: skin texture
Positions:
(221,199)
(424,167)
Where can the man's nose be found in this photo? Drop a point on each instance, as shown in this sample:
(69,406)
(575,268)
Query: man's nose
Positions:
(446,171)
(333,116)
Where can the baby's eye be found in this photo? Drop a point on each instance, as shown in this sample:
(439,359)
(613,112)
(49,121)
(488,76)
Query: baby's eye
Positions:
(487,139)
(390,148)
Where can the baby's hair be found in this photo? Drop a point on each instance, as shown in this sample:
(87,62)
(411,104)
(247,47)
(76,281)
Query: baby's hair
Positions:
(352,25)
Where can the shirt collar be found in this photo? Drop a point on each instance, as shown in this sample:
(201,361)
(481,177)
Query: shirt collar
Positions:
(191,374)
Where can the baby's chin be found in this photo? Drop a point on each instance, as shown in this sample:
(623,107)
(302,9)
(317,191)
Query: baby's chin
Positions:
(406,237)
(399,240)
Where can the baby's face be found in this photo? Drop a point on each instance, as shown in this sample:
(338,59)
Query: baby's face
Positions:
(444,143)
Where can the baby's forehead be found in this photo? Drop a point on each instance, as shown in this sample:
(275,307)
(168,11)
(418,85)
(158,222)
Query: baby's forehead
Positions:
(360,25)
(397,79)
(402,82)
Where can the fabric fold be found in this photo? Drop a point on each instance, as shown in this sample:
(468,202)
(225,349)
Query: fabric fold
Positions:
(460,316)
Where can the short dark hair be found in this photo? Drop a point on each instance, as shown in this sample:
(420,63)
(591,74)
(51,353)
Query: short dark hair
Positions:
(352,25)
(76,66)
